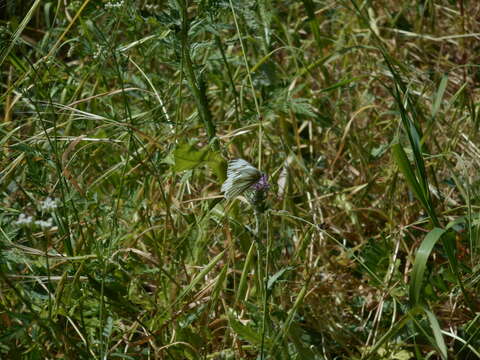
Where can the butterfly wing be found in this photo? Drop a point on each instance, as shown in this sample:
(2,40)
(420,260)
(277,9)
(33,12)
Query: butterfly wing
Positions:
(240,177)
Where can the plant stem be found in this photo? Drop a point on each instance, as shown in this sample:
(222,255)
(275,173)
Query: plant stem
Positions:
(262,274)
(249,76)
(197,86)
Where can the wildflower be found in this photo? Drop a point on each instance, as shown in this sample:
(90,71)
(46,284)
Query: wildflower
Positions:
(99,52)
(24,220)
(113,5)
(44,224)
(48,204)
(242,177)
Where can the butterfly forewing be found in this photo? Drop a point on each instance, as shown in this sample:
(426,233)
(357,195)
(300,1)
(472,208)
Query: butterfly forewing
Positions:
(240,177)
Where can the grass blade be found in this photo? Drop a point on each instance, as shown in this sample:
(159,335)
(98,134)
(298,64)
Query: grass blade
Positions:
(437,333)
(242,286)
(406,169)
(199,277)
(439,95)
(4,53)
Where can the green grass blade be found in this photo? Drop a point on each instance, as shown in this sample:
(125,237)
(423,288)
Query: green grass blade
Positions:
(4,53)
(200,276)
(242,286)
(439,95)
(286,325)
(219,286)
(372,351)
(314,25)
(407,171)
(437,333)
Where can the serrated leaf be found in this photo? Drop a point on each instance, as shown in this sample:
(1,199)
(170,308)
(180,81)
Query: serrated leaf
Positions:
(301,106)
(275,277)
(188,156)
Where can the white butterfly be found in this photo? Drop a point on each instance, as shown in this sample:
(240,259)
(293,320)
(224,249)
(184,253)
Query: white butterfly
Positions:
(241,176)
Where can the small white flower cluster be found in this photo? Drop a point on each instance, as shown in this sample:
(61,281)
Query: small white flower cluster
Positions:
(99,52)
(48,204)
(112,5)
(44,224)
(26,220)
(151,7)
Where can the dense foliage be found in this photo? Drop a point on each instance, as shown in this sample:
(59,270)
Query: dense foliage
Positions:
(117,122)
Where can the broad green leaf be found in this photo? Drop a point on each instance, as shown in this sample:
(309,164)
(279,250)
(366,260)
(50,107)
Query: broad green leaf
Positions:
(188,156)
(420,264)
(217,164)
(244,331)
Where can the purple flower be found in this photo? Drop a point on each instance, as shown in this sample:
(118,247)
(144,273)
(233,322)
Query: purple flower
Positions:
(262,184)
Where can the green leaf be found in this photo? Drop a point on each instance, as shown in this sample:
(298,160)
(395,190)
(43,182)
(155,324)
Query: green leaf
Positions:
(188,156)
(219,286)
(437,333)
(199,277)
(439,95)
(6,50)
(420,263)
(275,277)
(340,83)
(217,164)
(244,331)
(301,106)
(242,286)
(402,161)
(391,333)
(282,333)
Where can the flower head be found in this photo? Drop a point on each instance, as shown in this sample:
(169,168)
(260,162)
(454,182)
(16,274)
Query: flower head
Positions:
(48,204)
(262,184)
(24,220)
(44,224)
